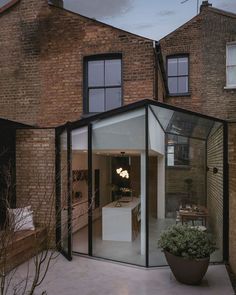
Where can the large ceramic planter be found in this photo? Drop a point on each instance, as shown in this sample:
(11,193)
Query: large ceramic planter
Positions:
(187,271)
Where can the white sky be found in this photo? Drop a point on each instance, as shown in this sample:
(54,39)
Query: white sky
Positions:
(151,18)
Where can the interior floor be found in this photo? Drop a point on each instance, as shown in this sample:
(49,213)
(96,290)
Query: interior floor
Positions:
(128,252)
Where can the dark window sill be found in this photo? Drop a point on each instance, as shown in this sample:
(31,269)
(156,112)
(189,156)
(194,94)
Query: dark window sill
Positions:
(87,115)
(179,95)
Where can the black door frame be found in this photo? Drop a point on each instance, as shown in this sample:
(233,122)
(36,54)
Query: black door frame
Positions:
(67,253)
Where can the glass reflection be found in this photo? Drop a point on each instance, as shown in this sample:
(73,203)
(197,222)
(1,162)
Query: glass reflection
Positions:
(119,163)
(80,190)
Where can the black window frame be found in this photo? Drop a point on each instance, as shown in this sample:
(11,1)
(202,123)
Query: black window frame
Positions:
(178,56)
(106,56)
(176,144)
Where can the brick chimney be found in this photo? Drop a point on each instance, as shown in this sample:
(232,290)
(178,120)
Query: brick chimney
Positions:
(205,5)
(58,3)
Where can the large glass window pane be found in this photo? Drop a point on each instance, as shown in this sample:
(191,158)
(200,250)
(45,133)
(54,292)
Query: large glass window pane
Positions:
(172,67)
(190,195)
(113,98)
(95,73)
(80,190)
(113,72)
(231,75)
(156,189)
(173,85)
(177,75)
(119,160)
(182,84)
(96,100)
(183,66)
(231,55)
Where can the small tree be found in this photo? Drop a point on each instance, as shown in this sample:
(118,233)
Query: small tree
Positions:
(44,248)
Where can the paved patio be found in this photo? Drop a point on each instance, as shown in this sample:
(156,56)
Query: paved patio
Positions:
(85,276)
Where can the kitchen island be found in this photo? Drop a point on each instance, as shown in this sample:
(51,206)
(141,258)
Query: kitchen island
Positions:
(118,222)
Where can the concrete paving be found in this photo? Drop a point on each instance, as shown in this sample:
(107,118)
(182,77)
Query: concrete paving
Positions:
(86,276)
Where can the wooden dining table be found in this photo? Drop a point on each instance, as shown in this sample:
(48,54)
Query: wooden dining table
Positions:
(193,215)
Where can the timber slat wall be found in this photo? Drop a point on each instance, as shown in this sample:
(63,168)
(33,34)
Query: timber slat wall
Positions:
(22,246)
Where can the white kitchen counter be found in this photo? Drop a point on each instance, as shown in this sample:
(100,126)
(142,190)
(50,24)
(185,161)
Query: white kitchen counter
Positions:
(117,221)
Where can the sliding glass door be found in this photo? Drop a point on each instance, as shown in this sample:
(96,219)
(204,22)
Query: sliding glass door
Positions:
(119,191)
(80,200)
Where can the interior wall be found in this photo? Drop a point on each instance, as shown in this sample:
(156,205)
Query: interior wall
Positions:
(135,175)
(79,162)
(215,184)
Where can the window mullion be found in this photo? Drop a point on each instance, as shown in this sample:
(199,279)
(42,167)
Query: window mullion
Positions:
(104,85)
(177,75)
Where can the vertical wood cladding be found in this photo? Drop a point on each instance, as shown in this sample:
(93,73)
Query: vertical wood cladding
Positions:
(215,184)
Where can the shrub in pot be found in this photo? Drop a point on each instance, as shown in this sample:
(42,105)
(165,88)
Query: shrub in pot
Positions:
(187,252)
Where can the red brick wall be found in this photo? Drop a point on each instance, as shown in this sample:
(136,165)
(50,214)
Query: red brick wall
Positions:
(41,62)
(204,38)
(35,172)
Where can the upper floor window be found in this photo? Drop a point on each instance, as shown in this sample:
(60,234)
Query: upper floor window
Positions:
(177,153)
(103,84)
(178,75)
(231,65)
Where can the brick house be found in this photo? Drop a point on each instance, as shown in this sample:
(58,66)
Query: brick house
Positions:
(203,43)
(58,67)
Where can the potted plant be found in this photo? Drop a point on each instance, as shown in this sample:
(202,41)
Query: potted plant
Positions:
(187,251)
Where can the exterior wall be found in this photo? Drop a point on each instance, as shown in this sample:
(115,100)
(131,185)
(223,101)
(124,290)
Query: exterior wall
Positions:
(161,93)
(232,195)
(215,184)
(35,173)
(42,81)
(176,187)
(204,38)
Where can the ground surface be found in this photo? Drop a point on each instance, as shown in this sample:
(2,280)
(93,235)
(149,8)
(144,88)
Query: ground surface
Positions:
(85,276)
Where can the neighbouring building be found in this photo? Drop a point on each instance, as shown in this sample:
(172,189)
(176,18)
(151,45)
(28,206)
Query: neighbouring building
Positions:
(199,60)
(108,119)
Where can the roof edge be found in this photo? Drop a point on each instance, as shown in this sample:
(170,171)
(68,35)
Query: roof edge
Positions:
(99,22)
(180,27)
(222,12)
(129,107)
(8,5)
(12,123)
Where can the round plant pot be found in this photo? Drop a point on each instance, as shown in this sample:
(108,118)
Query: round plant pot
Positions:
(187,271)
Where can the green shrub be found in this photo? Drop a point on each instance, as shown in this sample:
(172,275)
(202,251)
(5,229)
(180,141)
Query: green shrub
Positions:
(185,241)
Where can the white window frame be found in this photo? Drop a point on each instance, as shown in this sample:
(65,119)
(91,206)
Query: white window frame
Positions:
(229,86)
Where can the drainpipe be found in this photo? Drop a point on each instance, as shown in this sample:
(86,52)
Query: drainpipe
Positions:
(160,63)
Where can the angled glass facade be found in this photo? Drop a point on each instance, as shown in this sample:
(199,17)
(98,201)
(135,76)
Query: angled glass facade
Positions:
(138,169)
